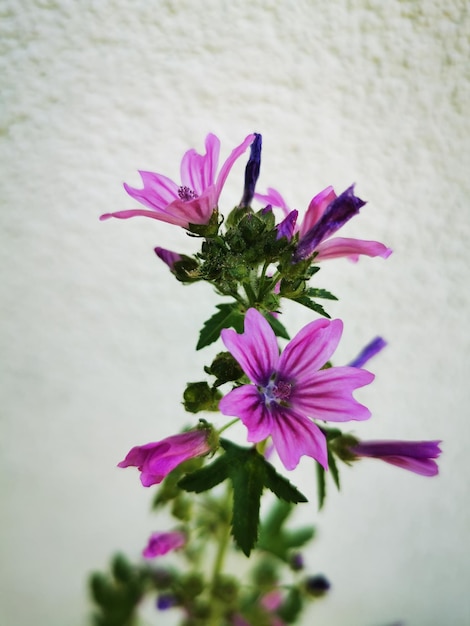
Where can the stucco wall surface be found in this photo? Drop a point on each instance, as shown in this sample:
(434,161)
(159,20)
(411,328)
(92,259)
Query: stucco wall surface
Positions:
(97,338)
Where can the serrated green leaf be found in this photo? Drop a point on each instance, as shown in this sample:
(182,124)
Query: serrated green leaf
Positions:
(280,486)
(278,328)
(321,485)
(311,304)
(320,293)
(247,483)
(207,477)
(229,316)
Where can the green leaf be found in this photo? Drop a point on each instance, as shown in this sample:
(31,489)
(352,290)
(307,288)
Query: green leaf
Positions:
(279,541)
(280,486)
(311,304)
(278,328)
(320,293)
(278,514)
(247,482)
(207,477)
(229,316)
(249,473)
(321,485)
(333,469)
(246,472)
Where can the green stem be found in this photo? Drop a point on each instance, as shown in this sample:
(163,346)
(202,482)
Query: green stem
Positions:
(228,425)
(262,280)
(250,293)
(224,536)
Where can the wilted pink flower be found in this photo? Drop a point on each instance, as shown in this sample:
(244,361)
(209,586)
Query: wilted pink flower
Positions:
(415,456)
(194,200)
(156,460)
(290,388)
(326,213)
(161,543)
(270,602)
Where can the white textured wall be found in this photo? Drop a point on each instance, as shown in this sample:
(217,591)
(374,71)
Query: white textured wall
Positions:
(97,338)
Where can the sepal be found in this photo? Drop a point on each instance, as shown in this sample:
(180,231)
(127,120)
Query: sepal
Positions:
(200,397)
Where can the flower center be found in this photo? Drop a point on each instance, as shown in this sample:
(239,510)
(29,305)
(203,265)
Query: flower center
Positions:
(278,391)
(185,193)
(282,390)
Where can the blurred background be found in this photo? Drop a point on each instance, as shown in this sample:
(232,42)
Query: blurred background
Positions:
(98,339)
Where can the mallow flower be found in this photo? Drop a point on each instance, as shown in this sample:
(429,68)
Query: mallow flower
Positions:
(325,215)
(291,389)
(156,460)
(195,198)
(163,542)
(415,456)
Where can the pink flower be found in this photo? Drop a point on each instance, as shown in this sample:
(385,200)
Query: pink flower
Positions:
(156,460)
(161,543)
(289,388)
(415,456)
(195,199)
(326,213)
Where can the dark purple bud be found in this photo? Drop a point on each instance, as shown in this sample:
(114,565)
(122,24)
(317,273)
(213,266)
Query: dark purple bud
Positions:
(287,226)
(166,601)
(297,562)
(317,585)
(252,171)
(341,210)
(370,350)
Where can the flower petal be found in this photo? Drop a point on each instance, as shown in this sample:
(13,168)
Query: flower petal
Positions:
(198,171)
(273,198)
(256,349)
(337,213)
(161,543)
(286,228)
(229,162)
(156,215)
(412,449)
(345,247)
(327,394)
(248,404)
(156,460)
(157,193)
(423,467)
(294,436)
(310,349)
(316,208)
